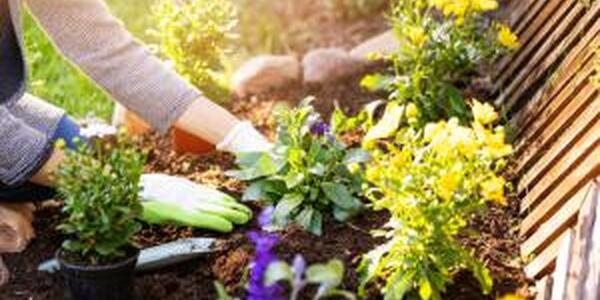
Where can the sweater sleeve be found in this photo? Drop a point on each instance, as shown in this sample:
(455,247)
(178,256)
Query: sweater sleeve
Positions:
(23,149)
(92,38)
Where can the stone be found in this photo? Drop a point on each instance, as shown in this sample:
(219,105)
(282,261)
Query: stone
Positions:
(265,72)
(383,44)
(327,64)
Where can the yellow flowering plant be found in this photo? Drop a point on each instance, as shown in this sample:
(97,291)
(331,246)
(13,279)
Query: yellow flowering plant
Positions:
(432,181)
(443,44)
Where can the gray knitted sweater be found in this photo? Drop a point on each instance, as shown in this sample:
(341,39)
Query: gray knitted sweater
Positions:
(88,35)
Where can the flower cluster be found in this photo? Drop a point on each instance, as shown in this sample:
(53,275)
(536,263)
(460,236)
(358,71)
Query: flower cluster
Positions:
(439,53)
(432,181)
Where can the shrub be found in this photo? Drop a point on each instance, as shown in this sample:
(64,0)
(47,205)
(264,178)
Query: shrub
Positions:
(100,186)
(195,35)
(308,172)
(432,182)
(442,45)
(351,9)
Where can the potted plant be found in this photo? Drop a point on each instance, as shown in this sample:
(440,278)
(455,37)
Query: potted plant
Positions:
(100,187)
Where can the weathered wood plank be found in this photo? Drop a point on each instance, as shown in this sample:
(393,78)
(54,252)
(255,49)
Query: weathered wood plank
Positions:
(544,60)
(532,12)
(539,182)
(580,254)
(591,287)
(585,102)
(556,225)
(571,183)
(544,288)
(543,263)
(562,267)
(579,57)
(553,30)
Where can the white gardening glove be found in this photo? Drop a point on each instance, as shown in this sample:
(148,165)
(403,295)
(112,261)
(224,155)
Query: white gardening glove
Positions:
(174,200)
(244,138)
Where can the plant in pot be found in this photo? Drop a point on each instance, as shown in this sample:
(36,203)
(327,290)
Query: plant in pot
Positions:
(99,183)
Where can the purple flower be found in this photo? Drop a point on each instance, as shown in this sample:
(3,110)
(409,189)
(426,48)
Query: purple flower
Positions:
(266,217)
(264,256)
(298,266)
(320,128)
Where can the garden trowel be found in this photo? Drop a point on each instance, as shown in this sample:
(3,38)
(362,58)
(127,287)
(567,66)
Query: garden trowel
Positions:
(159,256)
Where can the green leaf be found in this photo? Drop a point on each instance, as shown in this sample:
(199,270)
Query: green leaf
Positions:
(358,155)
(377,82)
(331,273)
(256,165)
(398,286)
(339,194)
(286,206)
(389,123)
(304,218)
(221,292)
(482,274)
(278,271)
(293,179)
(316,224)
(263,190)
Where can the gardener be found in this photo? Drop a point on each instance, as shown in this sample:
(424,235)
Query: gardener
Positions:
(93,39)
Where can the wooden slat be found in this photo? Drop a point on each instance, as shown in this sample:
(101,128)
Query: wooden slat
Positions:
(587,169)
(526,30)
(532,13)
(592,282)
(550,99)
(585,102)
(563,263)
(556,225)
(542,134)
(518,10)
(580,253)
(543,263)
(544,60)
(548,171)
(543,41)
(543,288)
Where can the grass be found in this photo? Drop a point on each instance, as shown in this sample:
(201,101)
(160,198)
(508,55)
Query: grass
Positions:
(57,81)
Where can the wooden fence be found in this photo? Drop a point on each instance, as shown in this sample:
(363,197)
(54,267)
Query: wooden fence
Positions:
(554,107)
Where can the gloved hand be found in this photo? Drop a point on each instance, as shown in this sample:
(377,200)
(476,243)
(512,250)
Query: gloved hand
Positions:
(244,138)
(173,200)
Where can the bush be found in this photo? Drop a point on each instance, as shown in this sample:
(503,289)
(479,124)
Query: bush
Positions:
(442,46)
(195,35)
(309,172)
(100,186)
(351,9)
(432,182)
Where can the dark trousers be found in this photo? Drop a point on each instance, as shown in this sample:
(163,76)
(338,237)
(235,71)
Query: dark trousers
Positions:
(67,130)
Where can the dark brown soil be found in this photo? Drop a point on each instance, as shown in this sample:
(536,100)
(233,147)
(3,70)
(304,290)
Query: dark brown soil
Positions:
(495,244)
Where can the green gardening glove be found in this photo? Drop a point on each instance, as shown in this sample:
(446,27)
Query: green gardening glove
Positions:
(174,200)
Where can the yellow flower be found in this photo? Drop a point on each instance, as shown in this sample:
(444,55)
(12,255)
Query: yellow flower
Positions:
(464,140)
(434,130)
(484,114)
(416,35)
(447,185)
(485,5)
(507,38)
(412,111)
(496,143)
(493,189)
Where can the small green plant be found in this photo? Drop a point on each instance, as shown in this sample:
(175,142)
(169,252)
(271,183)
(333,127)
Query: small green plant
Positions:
(442,45)
(351,9)
(100,187)
(195,35)
(432,182)
(308,172)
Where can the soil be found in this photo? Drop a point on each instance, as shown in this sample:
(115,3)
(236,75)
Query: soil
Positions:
(495,243)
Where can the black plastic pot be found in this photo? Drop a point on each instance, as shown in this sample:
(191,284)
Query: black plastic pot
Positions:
(103,282)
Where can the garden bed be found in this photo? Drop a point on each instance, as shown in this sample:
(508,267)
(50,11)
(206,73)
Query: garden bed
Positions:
(496,243)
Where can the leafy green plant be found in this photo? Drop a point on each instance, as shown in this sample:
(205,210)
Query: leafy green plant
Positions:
(432,182)
(100,186)
(351,9)
(328,277)
(195,35)
(308,172)
(442,45)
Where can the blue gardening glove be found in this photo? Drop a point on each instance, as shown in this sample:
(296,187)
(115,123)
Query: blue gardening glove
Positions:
(174,200)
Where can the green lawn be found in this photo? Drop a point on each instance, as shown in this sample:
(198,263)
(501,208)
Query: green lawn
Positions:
(54,79)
